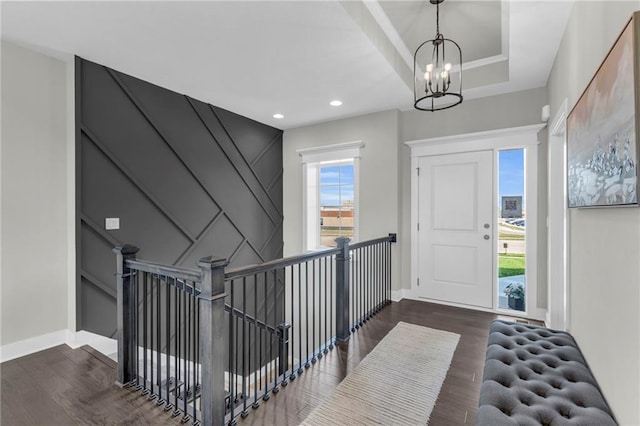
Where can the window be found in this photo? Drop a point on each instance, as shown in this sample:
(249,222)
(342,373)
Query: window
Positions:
(511,230)
(337,203)
(330,186)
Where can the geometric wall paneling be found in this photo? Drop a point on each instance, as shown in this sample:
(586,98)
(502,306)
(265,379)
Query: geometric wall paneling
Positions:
(186,179)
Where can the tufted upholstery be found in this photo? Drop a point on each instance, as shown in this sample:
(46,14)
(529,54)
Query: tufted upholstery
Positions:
(537,376)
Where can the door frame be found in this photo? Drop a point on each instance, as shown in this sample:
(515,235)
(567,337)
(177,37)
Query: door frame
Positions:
(494,140)
(559,290)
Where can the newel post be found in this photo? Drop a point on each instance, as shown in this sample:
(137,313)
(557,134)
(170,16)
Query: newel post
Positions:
(213,342)
(342,290)
(126,311)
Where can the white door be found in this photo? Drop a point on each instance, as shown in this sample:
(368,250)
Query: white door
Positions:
(455,222)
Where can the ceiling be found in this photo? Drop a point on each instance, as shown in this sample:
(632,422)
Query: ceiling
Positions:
(294,57)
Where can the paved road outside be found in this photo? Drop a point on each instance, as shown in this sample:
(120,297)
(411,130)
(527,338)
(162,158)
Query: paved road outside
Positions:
(515,242)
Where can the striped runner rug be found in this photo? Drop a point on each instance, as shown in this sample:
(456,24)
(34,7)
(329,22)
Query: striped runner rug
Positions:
(397,383)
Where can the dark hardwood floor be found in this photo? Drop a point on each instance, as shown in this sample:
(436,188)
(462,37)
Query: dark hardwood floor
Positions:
(61,386)
(458,399)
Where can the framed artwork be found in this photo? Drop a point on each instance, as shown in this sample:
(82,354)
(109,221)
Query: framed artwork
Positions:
(602,147)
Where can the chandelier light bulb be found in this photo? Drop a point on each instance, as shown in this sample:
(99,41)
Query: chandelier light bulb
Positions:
(447,66)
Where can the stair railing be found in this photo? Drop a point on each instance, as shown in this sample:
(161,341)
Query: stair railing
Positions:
(209,344)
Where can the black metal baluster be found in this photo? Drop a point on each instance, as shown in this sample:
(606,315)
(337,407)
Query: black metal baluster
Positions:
(138,278)
(285,379)
(355,256)
(238,347)
(151,317)
(168,342)
(380,269)
(292,376)
(178,352)
(352,289)
(231,344)
(186,326)
(320,318)
(158,340)
(326,301)
(372,307)
(274,336)
(390,267)
(244,413)
(194,351)
(257,355)
(378,275)
(300,370)
(387,247)
(383,277)
(361,288)
(144,332)
(332,283)
(367,312)
(266,395)
(313,313)
(380,261)
(372,281)
(363,283)
(306,293)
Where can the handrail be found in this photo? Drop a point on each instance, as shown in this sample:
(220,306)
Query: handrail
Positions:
(389,238)
(255,327)
(248,318)
(165,270)
(272,265)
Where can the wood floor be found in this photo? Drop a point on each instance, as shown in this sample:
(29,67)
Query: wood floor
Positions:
(61,386)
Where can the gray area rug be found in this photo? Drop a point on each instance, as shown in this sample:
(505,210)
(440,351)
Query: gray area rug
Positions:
(396,384)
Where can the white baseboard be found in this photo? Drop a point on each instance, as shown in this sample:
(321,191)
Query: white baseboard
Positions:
(72,339)
(537,314)
(32,345)
(105,345)
(398,295)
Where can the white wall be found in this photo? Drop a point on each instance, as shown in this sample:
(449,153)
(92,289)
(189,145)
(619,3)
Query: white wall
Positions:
(378,176)
(604,243)
(476,115)
(386,166)
(35,222)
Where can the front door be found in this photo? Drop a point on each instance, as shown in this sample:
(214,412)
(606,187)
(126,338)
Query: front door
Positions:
(455,228)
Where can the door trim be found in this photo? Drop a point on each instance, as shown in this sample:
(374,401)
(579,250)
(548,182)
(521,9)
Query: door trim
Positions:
(558,227)
(512,138)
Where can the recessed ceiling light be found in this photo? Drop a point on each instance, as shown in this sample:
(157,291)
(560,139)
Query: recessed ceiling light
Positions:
(335,103)
(278,116)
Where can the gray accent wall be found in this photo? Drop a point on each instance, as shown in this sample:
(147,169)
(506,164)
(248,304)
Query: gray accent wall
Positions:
(185,178)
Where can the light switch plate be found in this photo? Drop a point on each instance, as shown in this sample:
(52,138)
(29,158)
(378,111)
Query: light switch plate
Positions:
(112,223)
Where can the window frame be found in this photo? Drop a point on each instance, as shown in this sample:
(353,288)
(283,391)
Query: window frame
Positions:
(312,159)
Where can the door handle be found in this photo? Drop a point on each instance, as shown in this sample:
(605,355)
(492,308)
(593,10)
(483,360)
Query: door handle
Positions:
(486,237)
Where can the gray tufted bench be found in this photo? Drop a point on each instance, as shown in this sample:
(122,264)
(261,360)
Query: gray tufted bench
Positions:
(537,376)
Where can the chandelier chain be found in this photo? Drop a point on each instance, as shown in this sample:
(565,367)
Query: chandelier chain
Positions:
(437,19)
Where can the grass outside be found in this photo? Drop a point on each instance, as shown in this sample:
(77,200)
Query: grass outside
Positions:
(510,265)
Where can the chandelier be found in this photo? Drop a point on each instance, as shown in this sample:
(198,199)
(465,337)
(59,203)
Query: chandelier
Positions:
(437,71)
